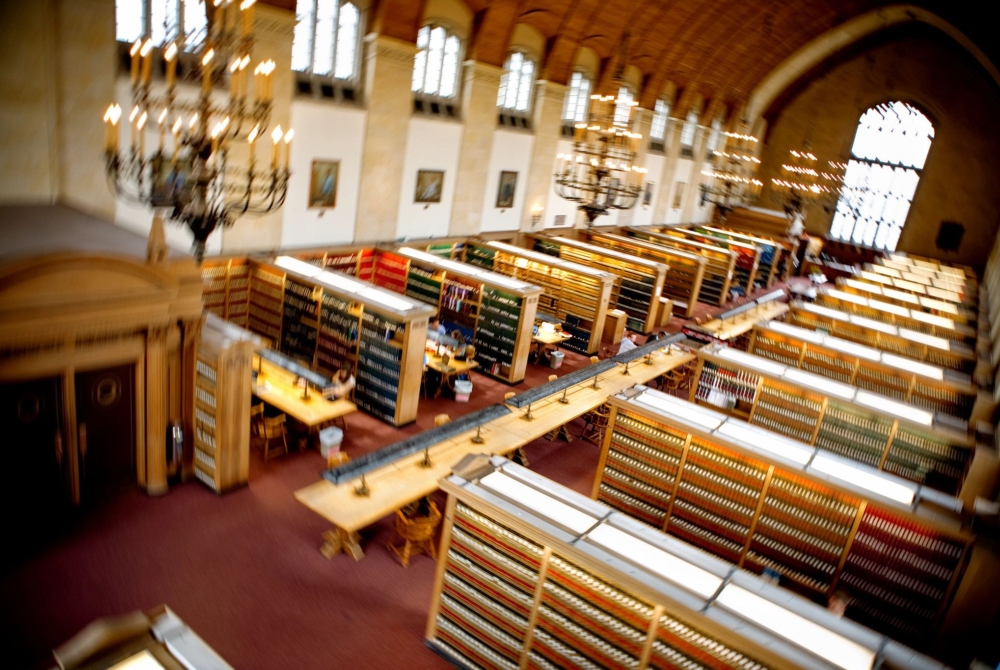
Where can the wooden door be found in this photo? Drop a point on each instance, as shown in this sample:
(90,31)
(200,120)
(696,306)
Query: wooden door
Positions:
(34,484)
(105,415)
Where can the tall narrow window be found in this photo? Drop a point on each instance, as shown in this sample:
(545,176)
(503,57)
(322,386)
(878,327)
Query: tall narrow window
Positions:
(577,98)
(515,84)
(890,148)
(130,22)
(659,128)
(195,22)
(623,105)
(714,136)
(689,129)
(161,21)
(435,68)
(326,38)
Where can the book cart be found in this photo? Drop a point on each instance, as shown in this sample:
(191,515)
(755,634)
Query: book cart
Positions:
(328,320)
(687,271)
(915,344)
(763,501)
(747,255)
(222,404)
(498,312)
(720,267)
(922,384)
(572,293)
(858,424)
(534,575)
(638,284)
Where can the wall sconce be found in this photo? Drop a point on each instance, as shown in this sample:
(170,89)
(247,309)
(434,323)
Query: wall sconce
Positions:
(536,215)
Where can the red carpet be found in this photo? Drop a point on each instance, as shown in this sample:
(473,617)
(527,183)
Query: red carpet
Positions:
(244,570)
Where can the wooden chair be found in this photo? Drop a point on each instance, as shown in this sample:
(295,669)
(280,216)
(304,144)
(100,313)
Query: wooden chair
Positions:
(552,378)
(594,359)
(274,429)
(607,353)
(412,535)
(257,421)
(441,419)
(595,423)
(561,431)
(508,395)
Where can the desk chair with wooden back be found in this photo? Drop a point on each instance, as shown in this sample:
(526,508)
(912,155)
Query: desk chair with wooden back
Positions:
(274,429)
(518,456)
(412,535)
(257,422)
(595,422)
(561,431)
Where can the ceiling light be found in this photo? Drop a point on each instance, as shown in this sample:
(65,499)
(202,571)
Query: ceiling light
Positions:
(538,503)
(878,483)
(655,560)
(899,409)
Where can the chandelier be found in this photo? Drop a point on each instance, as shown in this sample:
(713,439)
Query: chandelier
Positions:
(600,173)
(192,177)
(801,183)
(733,175)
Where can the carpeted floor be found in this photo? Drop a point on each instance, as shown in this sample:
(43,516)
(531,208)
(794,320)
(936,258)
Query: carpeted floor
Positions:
(244,570)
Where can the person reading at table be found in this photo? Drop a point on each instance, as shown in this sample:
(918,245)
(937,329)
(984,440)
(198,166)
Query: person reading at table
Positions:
(342,385)
(435,326)
(461,348)
(628,343)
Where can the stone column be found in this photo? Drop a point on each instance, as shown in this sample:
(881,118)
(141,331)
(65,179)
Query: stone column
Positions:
(388,78)
(273,31)
(546,120)
(479,115)
(672,136)
(642,121)
(156,410)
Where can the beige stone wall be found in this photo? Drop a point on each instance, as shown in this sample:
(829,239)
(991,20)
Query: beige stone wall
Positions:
(958,182)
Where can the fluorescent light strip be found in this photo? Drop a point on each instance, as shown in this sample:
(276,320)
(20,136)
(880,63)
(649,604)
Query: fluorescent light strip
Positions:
(899,409)
(875,277)
(826,311)
(923,280)
(939,305)
(793,331)
(295,265)
(882,270)
(878,484)
(685,411)
(847,297)
(853,349)
(749,360)
(923,369)
(887,307)
(611,253)
(491,277)
(924,338)
(862,286)
(821,384)
(934,320)
(766,440)
(902,296)
(909,285)
(758,611)
(538,503)
(655,560)
(144,660)
(864,322)
(944,294)
(548,260)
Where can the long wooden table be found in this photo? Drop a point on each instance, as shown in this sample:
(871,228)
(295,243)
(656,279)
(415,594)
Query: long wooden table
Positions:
(735,326)
(408,480)
(285,395)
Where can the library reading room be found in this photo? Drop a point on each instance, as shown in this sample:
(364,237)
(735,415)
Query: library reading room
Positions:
(499,334)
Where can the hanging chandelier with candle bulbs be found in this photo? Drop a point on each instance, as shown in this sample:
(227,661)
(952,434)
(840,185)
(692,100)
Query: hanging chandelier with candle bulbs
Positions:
(803,182)
(179,158)
(733,175)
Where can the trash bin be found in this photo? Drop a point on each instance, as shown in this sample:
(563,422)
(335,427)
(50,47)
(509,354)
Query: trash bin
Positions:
(329,441)
(556,359)
(463,389)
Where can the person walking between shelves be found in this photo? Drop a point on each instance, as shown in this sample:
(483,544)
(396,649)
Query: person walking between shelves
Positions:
(343,384)
(628,342)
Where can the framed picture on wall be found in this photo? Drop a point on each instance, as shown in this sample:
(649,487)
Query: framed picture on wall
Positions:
(430,183)
(647,195)
(559,220)
(323,184)
(505,191)
(679,194)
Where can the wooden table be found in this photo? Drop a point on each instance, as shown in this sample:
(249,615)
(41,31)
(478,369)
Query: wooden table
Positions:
(729,329)
(452,369)
(543,341)
(287,396)
(405,480)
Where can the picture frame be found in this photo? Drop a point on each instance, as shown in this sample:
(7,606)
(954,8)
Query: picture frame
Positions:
(323,181)
(647,194)
(506,189)
(430,184)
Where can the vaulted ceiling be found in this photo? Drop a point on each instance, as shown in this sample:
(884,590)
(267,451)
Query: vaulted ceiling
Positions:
(718,49)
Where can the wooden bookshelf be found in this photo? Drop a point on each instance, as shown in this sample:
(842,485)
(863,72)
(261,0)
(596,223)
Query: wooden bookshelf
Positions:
(745,272)
(222,404)
(717,485)
(820,414)
(757,221)
(687,271)
(332,321)
(777,254)
(913,344)
(516,589)
(497,313)
(719,268)
(574,294)
(873,290)
(950,290)
(638,282)
(930,387)
(226,290)
(897,315)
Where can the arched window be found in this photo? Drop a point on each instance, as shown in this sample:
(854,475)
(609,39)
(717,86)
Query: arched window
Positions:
(623,105)
(658,130)
(435,68)
(160,20)
(889,151)
(577,98)
(515,84)
(326,38)
(687,134)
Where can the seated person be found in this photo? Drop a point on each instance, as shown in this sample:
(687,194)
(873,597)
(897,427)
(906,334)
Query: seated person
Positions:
(435,326)
(343,384)
(628,342)
(461,349)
